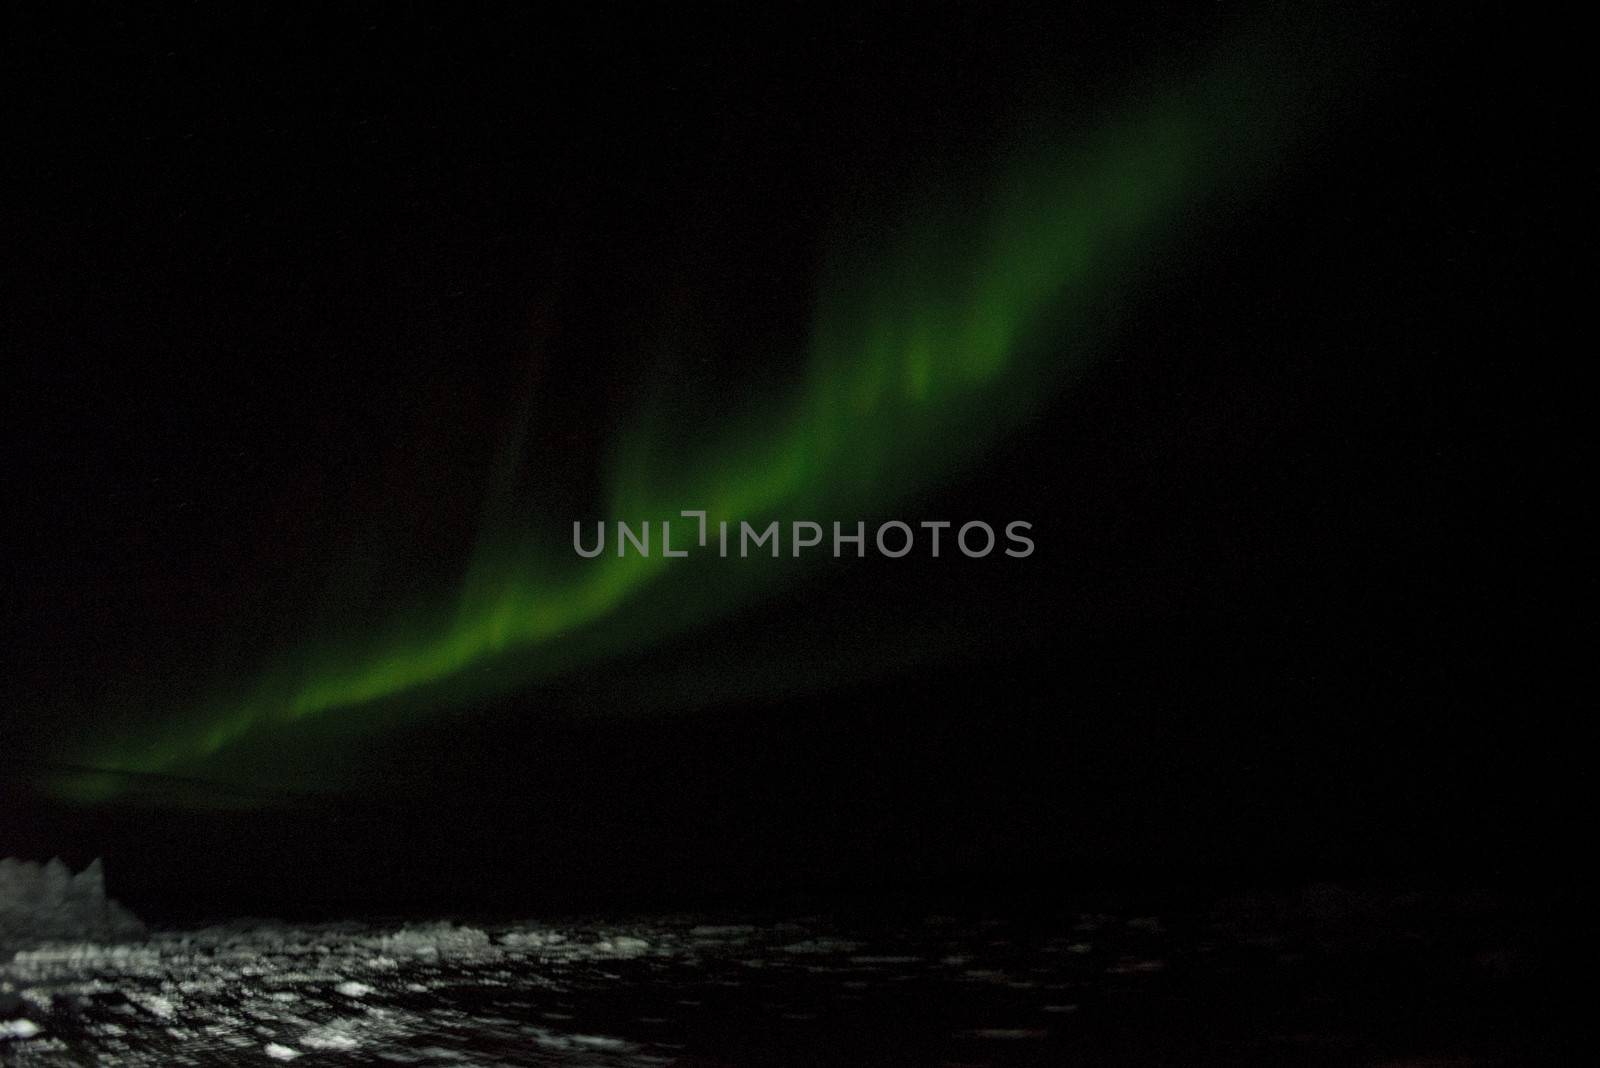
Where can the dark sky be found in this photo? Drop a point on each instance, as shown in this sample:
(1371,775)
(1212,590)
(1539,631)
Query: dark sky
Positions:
(271,287)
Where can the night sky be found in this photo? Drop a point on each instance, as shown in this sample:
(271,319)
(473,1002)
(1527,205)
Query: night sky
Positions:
(321,330)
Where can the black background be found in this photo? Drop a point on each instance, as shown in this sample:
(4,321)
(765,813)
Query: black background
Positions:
(270,280)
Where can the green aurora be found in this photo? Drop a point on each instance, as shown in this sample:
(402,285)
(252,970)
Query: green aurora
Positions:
(926,346)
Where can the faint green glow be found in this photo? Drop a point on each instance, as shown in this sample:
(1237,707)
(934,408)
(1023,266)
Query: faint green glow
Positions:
(920,353)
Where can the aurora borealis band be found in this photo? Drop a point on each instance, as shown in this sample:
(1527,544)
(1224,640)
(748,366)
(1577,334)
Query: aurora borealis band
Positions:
(934,332)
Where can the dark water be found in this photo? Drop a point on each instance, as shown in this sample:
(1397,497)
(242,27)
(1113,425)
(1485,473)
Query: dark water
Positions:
(1321,977)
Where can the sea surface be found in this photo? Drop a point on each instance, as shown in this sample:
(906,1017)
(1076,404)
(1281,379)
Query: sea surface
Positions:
(1324,976)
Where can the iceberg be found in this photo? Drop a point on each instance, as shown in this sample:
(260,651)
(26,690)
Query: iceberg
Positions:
(48,903)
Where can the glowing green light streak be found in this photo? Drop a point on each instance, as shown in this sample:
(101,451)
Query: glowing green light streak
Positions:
(920,353)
